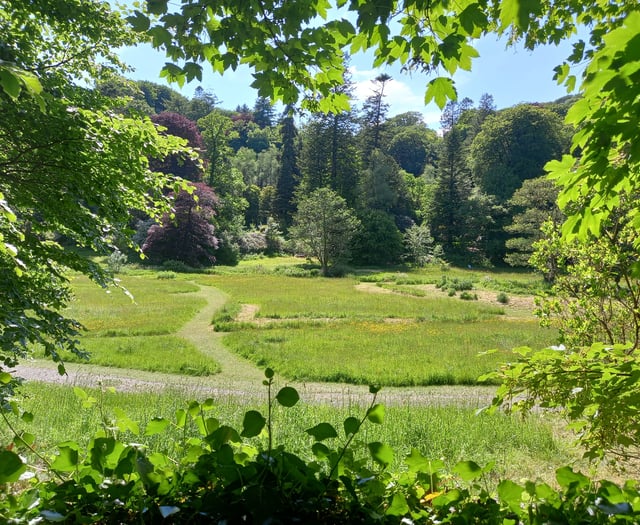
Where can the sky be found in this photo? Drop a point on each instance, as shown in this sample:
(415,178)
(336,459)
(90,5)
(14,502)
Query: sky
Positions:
(511,76)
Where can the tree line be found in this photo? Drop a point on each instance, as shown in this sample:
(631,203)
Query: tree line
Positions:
(473,194)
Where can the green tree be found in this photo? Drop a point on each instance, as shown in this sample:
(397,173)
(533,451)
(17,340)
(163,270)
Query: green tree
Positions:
(264,114)
(71,168)
(378,241)
(530,206)
(289,176)
(374,115)
(324,226)
(514,145)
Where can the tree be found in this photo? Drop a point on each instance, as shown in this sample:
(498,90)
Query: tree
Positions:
(71,168)
(289,176)
(514,145)
(179,126)
(202,103)
(378,241)
(324,226)
(606,115)
(374,115)
(413,148)
(263,113)
(187,234)
(531,206)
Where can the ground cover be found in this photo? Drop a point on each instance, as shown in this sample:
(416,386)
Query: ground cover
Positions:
(412,333)
(293,297)
(451,434)
(387,353)
(140,329)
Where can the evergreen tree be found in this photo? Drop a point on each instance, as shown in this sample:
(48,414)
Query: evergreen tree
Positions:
(374,115)
(289,176)
(263,113)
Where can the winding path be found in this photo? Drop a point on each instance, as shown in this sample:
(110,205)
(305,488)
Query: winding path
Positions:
(239,378)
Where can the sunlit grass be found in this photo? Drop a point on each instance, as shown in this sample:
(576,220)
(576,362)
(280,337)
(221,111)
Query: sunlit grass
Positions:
(291,297)
(157,307)
(154,353)
(391,353)
(449,433)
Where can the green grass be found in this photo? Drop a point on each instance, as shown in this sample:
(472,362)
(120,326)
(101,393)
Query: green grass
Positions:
(291,297)
(392,354)
(154,353)
(517,446)
(139,333)
(160,306)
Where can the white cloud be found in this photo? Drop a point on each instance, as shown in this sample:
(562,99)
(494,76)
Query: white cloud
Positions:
(400,95)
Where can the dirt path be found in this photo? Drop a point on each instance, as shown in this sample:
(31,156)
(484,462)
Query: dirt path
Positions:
(239,378)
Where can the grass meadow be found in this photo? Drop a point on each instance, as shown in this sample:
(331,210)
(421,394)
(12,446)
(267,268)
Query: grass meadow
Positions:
(318,329)
(138,331)
(517,446)
(311,329)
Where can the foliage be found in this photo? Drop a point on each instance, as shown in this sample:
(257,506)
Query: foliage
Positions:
(420,246)
(595,387)
(594,295)
(502,298)
(514,145)
(378,241)
(179,126)
(532,205)
(324,226)
(289,176)
(187,234)
(223,474)
(116,261)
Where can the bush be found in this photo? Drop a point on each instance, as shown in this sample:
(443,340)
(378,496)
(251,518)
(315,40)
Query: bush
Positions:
(166,275)
(177,266)
(502,298)
(378,241)
(466,296)
(252,243)
(116,261)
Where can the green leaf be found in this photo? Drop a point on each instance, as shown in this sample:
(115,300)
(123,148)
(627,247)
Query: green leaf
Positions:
(11,466)
(381,453)
(288,396)
(376,414)
(468,470)
(322,431)
(157,7)
(252,424)
(223,435)
(511,494)
(566,477)
(351,426)
(5,378)
(139,22)
(320,450)
(268,373)
(374,389)
(417,462)
(440,90)
(155,426)
(398,506)
(10,83)
(67,458)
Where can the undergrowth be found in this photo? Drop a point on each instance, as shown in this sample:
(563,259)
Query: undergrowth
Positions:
(218,474)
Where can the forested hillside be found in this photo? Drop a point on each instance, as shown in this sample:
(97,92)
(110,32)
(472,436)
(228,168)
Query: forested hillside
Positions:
(415,194)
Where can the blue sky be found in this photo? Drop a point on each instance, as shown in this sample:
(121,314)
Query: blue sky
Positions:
(511,75)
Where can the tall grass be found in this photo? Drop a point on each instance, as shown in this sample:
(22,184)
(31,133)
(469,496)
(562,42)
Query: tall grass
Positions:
(452,434)
(392,354)
(290,297)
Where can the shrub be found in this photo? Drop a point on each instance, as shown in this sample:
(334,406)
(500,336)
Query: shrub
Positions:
(166,275)
(116,261)
(253,242)
(177,266)
(466,296)
(502,298)
(217,474)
